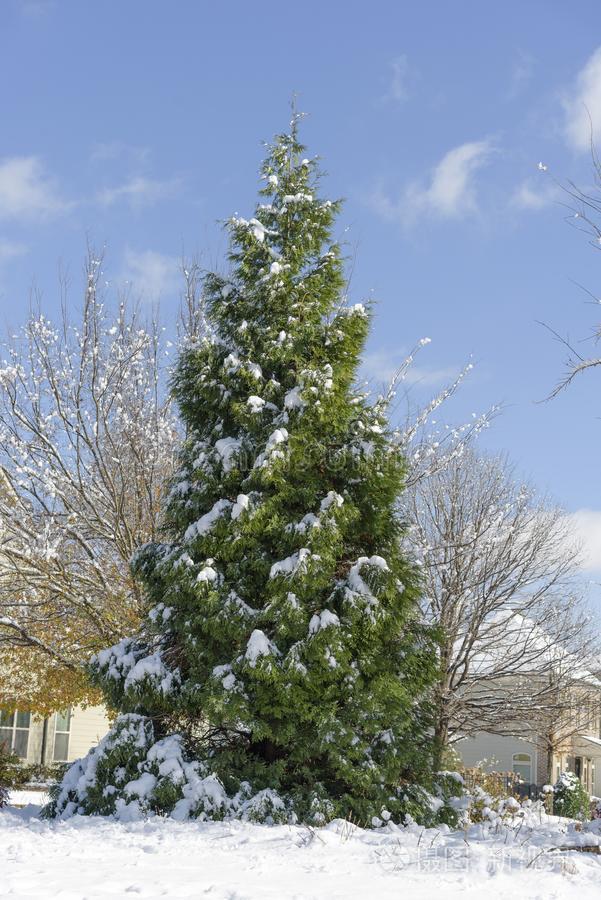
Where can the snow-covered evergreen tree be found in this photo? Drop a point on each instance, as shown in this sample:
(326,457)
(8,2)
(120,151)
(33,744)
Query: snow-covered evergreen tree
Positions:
(283,671)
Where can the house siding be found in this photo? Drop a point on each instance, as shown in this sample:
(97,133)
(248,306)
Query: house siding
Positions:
(494,753)
(87,727)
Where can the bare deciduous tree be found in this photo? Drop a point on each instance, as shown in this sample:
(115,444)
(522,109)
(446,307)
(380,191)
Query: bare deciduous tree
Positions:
(497,565)
(87,439)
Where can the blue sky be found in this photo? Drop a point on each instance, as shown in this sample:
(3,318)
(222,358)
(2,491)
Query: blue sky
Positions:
(139,125)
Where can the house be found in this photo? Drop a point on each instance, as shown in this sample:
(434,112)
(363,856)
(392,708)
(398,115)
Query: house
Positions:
(527,759)
(62,737)
(565,737)
(557,730)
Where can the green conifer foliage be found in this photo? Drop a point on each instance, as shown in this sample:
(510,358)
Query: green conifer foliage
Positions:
(282,641)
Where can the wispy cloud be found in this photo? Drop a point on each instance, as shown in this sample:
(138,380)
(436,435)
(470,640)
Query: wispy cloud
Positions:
(10,250)
(398,89)
(109,151)
(381,364)
(533,196)
(521,73)
(27,191)
(138,192)
(586,525)
(150,274)
(582,105)
(449,193)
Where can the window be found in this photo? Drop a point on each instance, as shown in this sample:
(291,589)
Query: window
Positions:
(522,766)
(62,728)
(14,732)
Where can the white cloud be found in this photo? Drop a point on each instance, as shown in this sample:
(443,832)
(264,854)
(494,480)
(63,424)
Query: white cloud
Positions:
(138,191)
(532,196)
(152,275)
(26,191)
(583,106)
(112,150)
(9,250)
(398,86)
(450,193)
(586,525)
(521,73)
(381,364)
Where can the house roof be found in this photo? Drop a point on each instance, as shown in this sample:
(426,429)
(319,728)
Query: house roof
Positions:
(513,641)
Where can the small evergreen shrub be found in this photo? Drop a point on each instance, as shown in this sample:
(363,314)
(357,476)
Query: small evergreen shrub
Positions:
(446,802)
(36,773)
(570,798)
(9,768)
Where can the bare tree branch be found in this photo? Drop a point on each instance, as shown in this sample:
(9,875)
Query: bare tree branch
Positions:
(498,566)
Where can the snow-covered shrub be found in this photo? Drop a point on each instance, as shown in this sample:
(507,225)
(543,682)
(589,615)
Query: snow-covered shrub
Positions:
(442,803)
(482,807)
(130,775)
(475,797)
(448,799)
(570,798)
(91,784)
(38,773)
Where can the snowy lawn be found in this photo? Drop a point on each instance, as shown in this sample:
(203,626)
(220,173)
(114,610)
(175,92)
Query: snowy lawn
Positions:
(26,797)
(96,858)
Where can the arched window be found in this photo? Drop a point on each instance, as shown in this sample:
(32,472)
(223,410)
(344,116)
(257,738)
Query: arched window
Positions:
(522,766)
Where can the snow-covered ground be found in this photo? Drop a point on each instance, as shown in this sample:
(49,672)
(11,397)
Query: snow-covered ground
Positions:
(26,797)
(98,858)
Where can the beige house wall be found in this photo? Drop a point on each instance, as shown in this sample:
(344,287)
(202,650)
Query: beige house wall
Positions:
(87,727)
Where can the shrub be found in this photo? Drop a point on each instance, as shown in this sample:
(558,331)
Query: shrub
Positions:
(497,785)
(38,773)
(443,802)
(570,798)
(9,767)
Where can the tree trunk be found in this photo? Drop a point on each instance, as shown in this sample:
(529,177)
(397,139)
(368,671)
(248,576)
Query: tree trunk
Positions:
(550,764)
(441,738)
